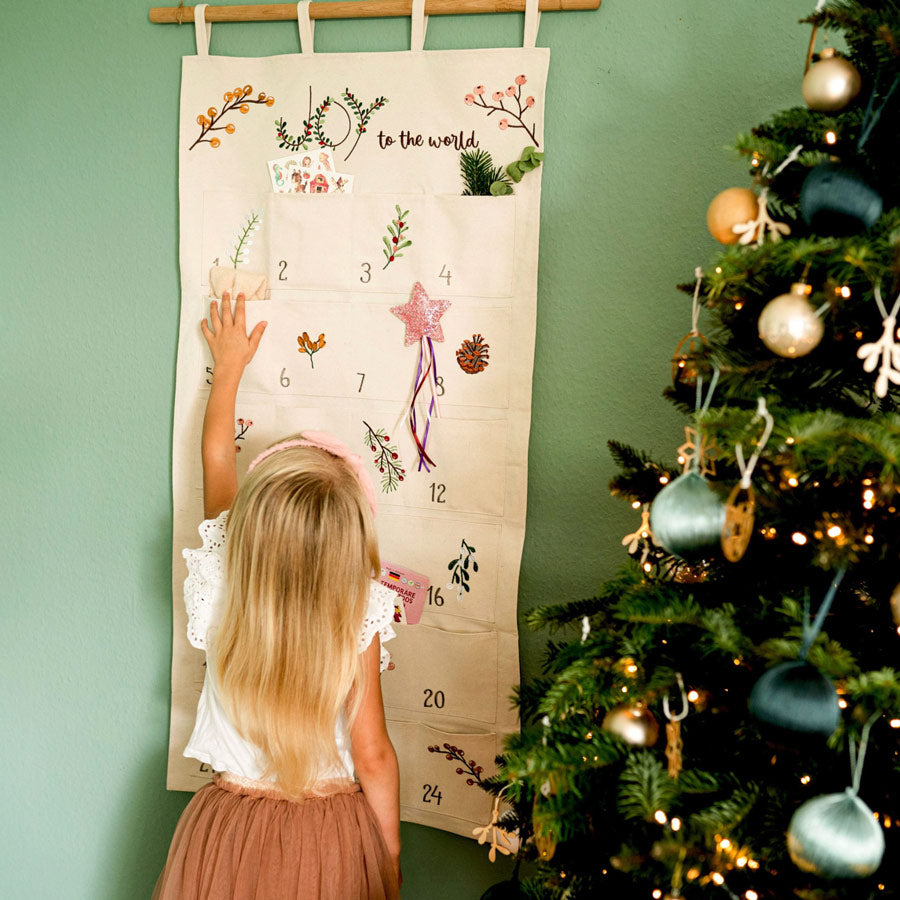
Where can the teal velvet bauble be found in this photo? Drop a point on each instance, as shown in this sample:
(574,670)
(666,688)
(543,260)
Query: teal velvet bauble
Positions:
(687,517)
(836,200)
(797,697)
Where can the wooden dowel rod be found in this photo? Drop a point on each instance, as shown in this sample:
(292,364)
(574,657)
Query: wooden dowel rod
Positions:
(358,9)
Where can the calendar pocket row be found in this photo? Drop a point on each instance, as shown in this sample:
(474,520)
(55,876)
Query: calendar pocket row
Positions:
(382,243)
(379,434)
(443,674)
(439,775)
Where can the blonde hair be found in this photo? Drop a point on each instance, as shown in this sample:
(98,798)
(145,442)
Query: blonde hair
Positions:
(300,552)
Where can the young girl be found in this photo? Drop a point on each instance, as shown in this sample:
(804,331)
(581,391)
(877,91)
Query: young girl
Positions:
(282,600)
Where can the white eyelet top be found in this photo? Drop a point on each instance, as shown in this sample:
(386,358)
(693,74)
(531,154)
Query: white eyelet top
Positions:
(215,740)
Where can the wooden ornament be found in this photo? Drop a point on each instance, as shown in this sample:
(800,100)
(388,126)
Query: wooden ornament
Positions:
(739,517)
(734,206)
(674,746)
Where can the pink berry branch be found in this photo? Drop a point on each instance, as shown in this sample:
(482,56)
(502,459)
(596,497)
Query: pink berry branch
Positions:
(514,93)
(387,457)
(397,231)
(468,767)
(242,427)
(238,99)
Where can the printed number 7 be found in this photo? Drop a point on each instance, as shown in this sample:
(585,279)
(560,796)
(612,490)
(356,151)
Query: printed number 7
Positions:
(362,378)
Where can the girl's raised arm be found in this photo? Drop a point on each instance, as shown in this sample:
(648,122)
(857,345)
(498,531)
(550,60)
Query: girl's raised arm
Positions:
(232,348)
(374,757)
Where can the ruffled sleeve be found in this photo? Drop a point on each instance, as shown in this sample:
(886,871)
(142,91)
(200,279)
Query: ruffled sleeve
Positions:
(379,616)
(205,583)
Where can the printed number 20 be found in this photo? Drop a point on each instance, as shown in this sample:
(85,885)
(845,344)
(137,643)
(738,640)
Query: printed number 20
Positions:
(433,698)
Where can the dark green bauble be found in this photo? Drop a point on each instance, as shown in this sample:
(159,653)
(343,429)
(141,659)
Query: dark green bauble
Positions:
(796,697)
(836,200)
(687,517)
(505,890)
(836,836)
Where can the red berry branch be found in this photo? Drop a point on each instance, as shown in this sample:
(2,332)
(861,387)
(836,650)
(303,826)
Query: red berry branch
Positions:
(513,92)
(242,427)
(387,457)
(397,241)
(468,768)
(238,99)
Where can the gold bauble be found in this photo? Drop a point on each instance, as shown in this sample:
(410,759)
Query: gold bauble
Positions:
(634,723)
(734,206)
(895,605)
(789,325)
(831,83)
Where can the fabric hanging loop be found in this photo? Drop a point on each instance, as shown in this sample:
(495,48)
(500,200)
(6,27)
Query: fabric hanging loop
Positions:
(306,27)
(532,22)
(202,29)
(419,26)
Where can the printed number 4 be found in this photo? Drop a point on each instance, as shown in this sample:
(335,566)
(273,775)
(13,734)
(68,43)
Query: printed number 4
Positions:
(431,793)
(445,273)
(433,698)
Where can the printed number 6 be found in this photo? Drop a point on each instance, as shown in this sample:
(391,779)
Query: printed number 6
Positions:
(285,381)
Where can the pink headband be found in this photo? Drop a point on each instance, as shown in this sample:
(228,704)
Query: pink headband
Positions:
(328,442)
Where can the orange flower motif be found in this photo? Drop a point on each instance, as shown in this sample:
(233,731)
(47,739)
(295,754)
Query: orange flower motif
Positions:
(309,346)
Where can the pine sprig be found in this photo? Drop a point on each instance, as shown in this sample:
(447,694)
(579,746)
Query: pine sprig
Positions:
(479,173)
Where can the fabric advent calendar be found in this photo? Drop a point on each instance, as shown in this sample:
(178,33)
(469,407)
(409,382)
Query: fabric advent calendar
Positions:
(401,319)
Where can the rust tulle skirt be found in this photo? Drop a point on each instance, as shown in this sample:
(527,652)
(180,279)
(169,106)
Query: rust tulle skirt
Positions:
(238,843)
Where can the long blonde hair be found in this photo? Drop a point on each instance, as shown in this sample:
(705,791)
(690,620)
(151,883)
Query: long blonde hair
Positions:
(300,553)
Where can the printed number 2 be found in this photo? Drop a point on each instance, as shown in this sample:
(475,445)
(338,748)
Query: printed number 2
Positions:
(281,271)
(433,698)
(366,277)
(431,793)
(445,273)
(437,492)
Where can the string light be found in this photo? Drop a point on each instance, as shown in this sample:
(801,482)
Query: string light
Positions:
(805,779)
(718,270)
(724,844)
(741,861)
(789,440)
(660,817)
(656,894)
(843,291)
(675,823)
(636,504)
(717,877)
(751,895)
(799,538)
(738,305)
(663,479)
(834,531)
(792,480)
(830,137)
(647,567)
(842,703)
(894,723)
(858,335)
(693,696)
(693,873)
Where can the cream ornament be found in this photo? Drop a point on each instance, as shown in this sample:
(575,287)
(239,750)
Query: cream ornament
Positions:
(885,350)
(832,83)
(790,325)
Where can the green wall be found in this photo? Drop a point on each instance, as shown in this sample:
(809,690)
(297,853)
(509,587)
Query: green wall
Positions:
(644,97)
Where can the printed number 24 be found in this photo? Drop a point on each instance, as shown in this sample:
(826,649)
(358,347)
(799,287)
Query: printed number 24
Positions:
(431,793)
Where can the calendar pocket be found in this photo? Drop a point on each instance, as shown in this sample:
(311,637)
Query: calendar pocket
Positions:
(436,673)
(439,773)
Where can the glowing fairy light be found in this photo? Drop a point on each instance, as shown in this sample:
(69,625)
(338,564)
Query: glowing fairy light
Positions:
(830,137)
(636,504)
(894,723)
(751,895)
(660,817)
(693,696)
(675,823)
(834,531)
(805,779)
(718,878)
(656,894)
(663,479)
(799,538)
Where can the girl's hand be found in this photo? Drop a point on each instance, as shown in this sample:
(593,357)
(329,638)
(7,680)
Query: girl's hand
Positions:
(226,334)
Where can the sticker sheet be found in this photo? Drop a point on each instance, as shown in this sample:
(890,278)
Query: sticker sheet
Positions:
(401,318)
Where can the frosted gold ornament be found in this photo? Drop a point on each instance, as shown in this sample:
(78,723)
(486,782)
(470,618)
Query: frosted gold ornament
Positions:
(789,325)
(832,83)
(836,836)
(634,723)
(895,605)
(739,518)
(733,206)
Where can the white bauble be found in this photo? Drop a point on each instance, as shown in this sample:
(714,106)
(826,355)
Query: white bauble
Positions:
(789,325)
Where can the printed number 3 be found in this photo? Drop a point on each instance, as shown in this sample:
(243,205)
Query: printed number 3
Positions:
(366,277)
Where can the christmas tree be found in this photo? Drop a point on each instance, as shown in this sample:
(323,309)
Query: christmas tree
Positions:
(722,717)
